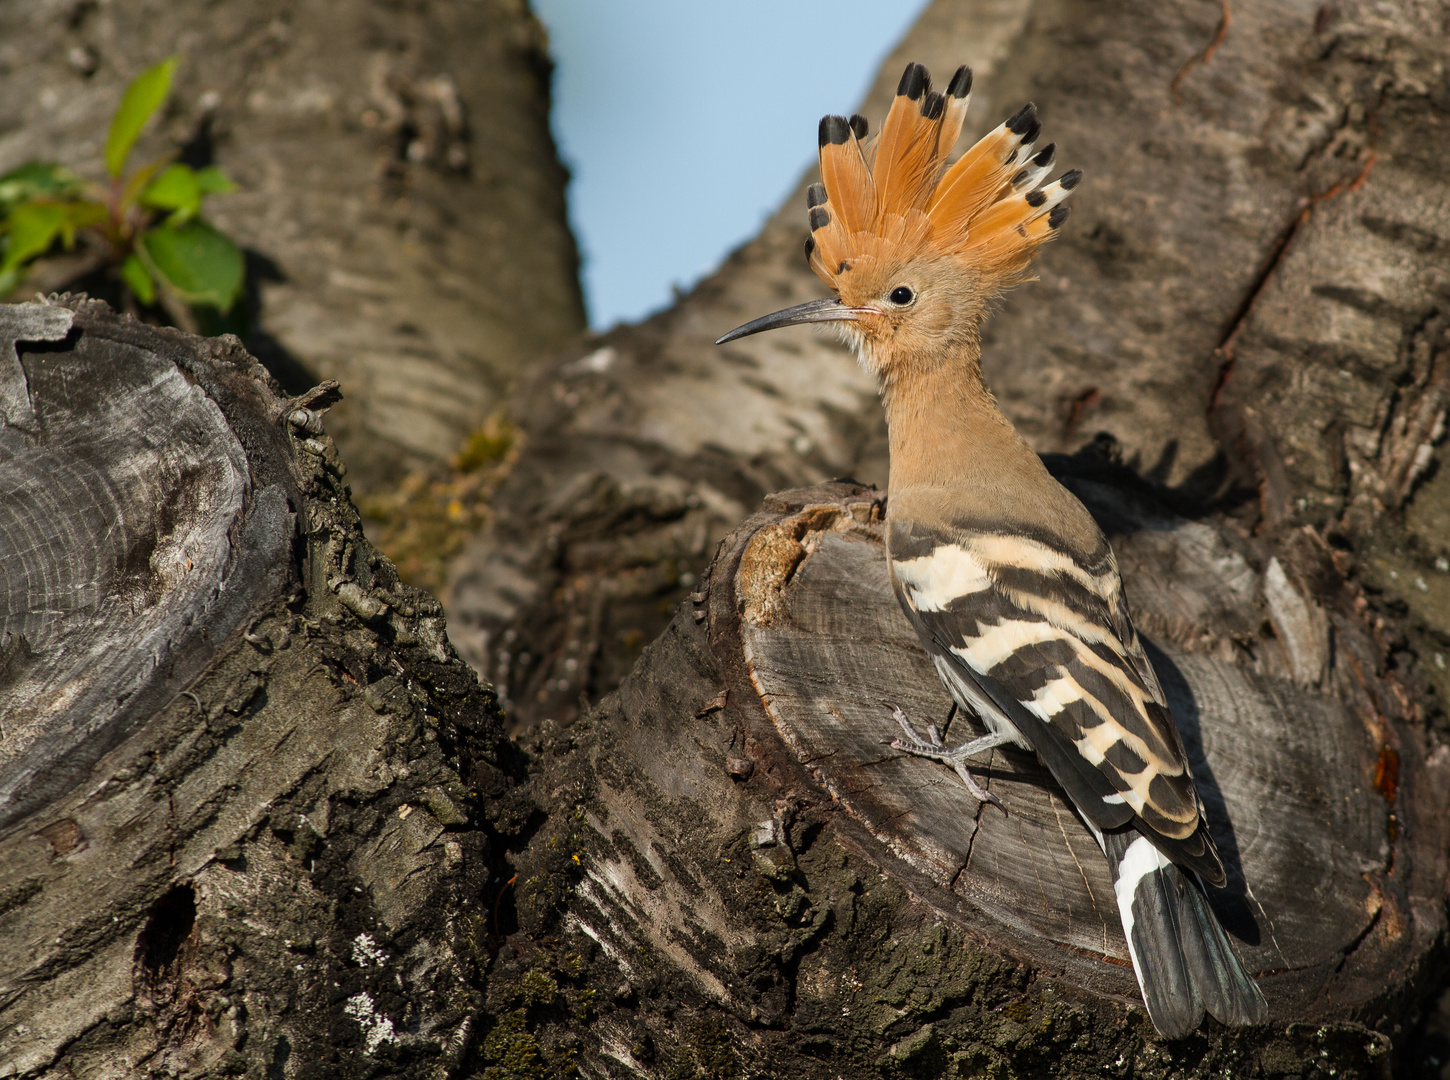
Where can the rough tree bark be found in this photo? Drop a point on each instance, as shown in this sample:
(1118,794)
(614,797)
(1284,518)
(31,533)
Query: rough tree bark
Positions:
(400,198)
(240,767)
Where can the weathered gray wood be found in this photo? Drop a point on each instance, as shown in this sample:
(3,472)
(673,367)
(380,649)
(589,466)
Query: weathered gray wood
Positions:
(129,557)
(240,764)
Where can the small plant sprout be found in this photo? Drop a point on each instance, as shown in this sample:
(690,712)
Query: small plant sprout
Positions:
(147,222)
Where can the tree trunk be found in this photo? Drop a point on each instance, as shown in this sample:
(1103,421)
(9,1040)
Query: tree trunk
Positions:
(400,200)
(240,767)
(785,894)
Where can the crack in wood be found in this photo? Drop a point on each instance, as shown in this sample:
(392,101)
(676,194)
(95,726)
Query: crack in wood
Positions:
(1225,347)
(1047,905)
(976,819)
(1225,18)
(1249,889)
(1243,436)
(1092,897)
(883,760)
(1350,949)
(820,757)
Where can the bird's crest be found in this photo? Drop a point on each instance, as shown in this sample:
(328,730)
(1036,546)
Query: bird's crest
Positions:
(894,198)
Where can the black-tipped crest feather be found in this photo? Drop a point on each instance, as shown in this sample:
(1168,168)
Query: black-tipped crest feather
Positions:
(1023,119)
(914,82)
(834,130)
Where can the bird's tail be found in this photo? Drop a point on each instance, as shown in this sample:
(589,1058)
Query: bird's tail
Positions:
(1181,955)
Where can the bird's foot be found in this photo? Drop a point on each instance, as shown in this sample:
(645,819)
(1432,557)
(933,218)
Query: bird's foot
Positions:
(936,749)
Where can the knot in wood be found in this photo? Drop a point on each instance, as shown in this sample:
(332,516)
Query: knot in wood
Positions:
(775,551)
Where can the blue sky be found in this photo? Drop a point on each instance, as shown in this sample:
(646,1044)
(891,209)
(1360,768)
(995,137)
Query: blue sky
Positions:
(685,124)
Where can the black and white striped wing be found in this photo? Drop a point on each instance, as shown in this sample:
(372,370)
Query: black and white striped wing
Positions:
(1035,638)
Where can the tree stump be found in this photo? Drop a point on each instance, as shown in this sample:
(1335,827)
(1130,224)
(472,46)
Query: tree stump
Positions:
(239,763)
(747,849)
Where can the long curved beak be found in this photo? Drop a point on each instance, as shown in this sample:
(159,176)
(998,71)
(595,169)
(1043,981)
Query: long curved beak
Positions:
(829,309)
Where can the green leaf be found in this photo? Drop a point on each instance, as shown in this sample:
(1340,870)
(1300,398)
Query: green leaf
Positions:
(142,98)
(83,214)
(80,214)
(200,263)
(175,189)
(136,183)
(36,178)
(31,228)
(214,182)
(138,279)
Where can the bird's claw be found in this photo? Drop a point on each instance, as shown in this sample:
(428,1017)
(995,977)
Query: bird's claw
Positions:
(911,736)
(937,750)
(982,794)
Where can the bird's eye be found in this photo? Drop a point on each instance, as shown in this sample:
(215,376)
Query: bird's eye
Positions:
(901,295)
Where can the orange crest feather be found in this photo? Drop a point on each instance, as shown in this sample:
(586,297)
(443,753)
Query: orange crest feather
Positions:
(894,198)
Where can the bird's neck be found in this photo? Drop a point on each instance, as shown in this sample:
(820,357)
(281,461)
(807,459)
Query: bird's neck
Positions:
(945,424)
(955,458)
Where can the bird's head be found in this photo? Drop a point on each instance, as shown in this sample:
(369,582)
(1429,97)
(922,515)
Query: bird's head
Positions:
(913,249)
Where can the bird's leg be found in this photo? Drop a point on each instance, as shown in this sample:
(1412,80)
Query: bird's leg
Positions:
(937,750)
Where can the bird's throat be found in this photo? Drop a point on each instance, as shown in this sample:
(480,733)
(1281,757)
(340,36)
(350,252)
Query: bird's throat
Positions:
(945,425)
(957,462)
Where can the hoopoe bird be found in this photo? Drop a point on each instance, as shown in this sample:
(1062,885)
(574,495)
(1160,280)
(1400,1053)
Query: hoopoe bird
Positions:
(1007,579)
